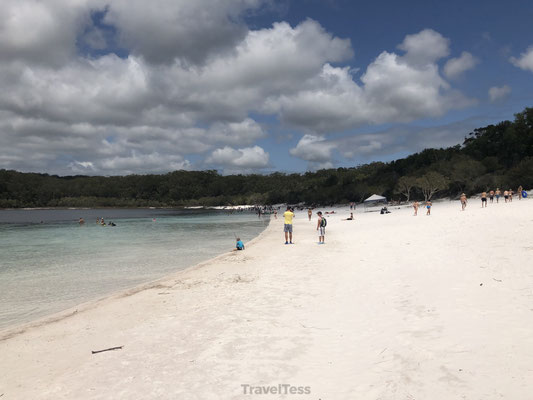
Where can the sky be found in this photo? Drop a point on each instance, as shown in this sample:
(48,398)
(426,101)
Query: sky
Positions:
(115,87)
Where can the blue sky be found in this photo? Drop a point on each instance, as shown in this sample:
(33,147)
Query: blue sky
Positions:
(491,30)
(128,86)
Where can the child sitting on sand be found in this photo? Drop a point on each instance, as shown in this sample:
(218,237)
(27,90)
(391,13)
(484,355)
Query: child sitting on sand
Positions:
(239,245)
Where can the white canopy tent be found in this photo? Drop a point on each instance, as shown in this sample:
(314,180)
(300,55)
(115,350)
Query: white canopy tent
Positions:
(374,200)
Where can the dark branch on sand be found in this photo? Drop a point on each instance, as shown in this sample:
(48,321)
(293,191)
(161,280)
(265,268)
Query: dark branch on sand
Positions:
(109,349)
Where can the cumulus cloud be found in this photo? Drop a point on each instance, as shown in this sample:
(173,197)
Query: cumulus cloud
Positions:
(425,47)
(30,30)
(401,140)
(497,93)
(245,159)
(190,79)
(525,61)
(314,149)
(395,88)
(187,30)
(455,67)
(236,133)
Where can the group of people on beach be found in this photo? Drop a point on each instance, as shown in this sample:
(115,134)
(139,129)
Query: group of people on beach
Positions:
(486,197)
(288,215)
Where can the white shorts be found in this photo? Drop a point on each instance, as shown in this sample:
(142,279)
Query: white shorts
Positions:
(321,231)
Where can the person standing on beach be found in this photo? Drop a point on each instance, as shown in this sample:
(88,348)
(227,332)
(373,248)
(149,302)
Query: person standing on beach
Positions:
(506,195)
(483,199)
(498,194)
(520,189)
(511,195)
(287,227)
(309,213)
(463,201)
(428,206)
(321,228)
(415,206)
(491,196)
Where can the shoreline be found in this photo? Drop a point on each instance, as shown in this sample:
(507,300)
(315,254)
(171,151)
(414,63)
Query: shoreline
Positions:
(392,306)
(17,329)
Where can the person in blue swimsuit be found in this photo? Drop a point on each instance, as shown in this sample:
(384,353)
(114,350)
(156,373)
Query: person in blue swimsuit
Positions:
(239,245)
(428,206)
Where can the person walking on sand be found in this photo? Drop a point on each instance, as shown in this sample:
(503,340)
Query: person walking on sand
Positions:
(428,206)
(511,195)
(321,227)
(415,206)
(287,227)
(275,214)
(498,194)
(463,201)
(483,199)
(506,195)
(491,196)
(520,189)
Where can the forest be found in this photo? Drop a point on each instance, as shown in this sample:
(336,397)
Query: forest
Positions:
(498,155)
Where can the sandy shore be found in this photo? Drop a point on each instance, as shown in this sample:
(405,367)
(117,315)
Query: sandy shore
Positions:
(392,307)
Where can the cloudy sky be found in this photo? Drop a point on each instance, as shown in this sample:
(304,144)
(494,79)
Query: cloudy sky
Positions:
(109,87)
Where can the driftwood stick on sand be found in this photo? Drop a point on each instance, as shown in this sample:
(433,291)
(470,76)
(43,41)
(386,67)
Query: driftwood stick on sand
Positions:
(109,349)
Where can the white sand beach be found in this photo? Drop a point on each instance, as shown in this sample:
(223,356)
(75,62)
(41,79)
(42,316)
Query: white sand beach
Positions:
(391,307)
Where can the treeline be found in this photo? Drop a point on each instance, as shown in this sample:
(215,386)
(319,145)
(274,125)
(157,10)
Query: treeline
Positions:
(494,156)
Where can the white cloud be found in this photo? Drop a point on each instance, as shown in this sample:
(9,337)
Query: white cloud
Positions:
(236,133)
(393,90)
(455,67)
(497,93)
(316,150)
(241,160)
(525,61)
(194,77)
(188,30)
(31,31)
(425,47)
(313,148)
(400,140)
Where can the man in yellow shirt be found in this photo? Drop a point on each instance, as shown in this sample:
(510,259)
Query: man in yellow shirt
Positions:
(287,228)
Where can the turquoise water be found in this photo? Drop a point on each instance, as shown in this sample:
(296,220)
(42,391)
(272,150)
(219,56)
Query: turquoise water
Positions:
(50,266)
